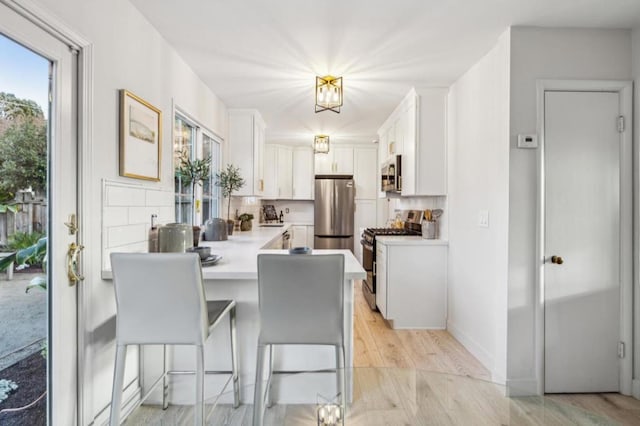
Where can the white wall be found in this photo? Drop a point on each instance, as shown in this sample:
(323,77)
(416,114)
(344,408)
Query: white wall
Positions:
(479,180)
(128,53)
(542,53)
(635,45)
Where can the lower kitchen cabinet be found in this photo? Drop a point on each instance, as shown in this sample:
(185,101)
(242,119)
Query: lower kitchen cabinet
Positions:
(411,282)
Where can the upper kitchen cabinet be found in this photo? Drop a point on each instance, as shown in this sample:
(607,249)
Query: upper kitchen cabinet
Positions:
(303,173)
(246,149)
(365,172)
(416,130)
(338,161)
(284,172)
(288,172)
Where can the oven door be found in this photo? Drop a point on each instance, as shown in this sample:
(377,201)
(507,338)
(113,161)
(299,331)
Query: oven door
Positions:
(367,256)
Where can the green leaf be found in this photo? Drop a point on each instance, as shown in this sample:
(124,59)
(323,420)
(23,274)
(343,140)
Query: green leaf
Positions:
(6,261)
(37,282)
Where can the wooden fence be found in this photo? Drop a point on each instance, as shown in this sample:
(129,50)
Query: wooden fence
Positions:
(31,217)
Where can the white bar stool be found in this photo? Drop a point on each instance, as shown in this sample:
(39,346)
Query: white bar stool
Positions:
(160,301)
(301,300)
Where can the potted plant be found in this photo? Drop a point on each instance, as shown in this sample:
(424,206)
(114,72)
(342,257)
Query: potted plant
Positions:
(229,181)
(245,221)
(193,172)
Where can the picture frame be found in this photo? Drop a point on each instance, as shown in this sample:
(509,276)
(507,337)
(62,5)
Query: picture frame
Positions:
(140,138)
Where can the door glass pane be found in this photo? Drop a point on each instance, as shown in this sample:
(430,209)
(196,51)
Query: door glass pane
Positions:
(210,192)
(183,148)
(24,107)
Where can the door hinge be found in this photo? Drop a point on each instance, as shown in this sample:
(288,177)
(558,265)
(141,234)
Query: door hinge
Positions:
(620,349)
(621,124)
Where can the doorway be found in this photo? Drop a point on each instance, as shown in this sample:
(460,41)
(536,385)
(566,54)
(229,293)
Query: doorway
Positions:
(585,237)
(60,195)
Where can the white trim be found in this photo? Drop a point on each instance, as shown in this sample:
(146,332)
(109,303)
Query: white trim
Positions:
(521,387)
(625,90)
(481,354)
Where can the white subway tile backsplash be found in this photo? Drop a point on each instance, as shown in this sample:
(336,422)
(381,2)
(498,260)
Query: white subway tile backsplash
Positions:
(128,234)
(115,216)
(139,215)
(126,216)
(124,196)
(140,247)
(158,198)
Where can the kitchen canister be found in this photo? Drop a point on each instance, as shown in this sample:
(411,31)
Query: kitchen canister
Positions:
(175,238)
(429,229)
(215,230)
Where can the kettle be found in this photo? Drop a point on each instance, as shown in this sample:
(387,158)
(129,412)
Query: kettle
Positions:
(215,230)
(175,238)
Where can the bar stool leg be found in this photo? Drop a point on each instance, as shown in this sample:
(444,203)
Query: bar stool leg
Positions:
(165,379)
(234,358)
(270,378)
(118,383)
(340,378)
(258,396)
(198,415)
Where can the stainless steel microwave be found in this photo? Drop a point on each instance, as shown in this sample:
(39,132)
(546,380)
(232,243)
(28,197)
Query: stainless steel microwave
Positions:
(391,175)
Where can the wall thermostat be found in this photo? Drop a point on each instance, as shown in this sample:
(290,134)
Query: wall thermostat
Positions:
(528,141)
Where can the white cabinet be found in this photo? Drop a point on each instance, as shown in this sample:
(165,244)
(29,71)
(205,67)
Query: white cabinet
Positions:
(411,282)
(310,236)
(380,269)
(299,237)
(288,172)
(284,173)
(246,149)
(365,172)
(303,176)
(424,163)
(417,131)
(270,172)
(338,161)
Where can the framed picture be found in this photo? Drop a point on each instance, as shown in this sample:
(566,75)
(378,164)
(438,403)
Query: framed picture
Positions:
(140,138)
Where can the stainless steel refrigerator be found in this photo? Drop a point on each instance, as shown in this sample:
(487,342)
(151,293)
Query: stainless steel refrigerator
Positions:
(333,213)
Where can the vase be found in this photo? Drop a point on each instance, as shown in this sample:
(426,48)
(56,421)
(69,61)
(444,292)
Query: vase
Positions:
(245,225)
(230,224)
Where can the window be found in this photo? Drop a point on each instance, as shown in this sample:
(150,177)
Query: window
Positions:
(195,204)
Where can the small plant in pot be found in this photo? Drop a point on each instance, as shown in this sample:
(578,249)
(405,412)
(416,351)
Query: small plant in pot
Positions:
(245,221)
(229,181)
(191,173)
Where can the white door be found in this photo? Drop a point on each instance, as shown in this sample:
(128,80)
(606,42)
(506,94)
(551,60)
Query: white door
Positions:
(62,184)
(582,157)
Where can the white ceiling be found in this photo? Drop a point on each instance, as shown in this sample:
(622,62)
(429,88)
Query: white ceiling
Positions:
(265,54)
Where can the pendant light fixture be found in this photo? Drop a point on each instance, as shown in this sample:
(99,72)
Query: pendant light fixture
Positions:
(321,144)
(328,94)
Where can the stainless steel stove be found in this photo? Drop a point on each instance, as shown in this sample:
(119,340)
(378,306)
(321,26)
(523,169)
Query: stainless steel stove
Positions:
(412,226)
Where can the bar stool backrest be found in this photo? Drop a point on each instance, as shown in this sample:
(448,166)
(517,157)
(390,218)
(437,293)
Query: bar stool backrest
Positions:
(301,299)
(160,298)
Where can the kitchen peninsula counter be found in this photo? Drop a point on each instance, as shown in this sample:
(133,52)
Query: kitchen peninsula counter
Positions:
(236,277)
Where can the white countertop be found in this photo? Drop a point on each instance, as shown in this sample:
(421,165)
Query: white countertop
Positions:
(408,240)
(239,255)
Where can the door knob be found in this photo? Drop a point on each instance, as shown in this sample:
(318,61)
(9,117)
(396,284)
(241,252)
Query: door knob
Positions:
(72,263)
(557,260)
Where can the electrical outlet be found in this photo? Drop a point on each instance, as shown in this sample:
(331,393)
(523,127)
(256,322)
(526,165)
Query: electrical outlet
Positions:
(483,218)
(286,210)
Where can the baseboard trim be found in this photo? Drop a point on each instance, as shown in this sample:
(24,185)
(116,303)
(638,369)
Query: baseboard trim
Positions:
(522,387)
(635,390)
(476,350)
(131,396)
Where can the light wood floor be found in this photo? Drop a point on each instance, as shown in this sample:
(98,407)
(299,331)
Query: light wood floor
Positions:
(412,390)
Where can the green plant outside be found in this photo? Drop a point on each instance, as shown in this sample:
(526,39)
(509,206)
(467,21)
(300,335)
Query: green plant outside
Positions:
(22,256)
